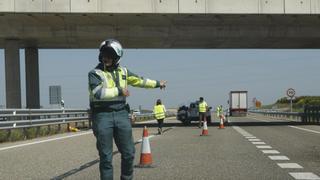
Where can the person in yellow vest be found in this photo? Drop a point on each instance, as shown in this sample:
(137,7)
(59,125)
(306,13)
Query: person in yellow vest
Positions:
(159,111)
(219,112)
(203,107)
(110,119)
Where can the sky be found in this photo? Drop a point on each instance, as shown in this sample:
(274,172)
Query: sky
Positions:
(211,73)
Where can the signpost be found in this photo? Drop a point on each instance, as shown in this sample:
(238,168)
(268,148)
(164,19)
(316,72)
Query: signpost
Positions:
(290,93)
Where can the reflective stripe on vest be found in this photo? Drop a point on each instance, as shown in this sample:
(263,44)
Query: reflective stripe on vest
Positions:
(202,106)
(159,112)
(108,87)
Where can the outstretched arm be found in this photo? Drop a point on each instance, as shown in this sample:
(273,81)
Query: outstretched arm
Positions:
(137,81)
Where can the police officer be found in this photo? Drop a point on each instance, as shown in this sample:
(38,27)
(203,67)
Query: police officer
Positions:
(203,107)
(159,111)
(108,91)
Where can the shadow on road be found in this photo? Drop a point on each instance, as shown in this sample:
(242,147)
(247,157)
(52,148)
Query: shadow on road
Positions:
(91,163)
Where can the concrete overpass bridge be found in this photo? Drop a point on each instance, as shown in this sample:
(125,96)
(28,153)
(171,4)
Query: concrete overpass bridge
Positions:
(34,24)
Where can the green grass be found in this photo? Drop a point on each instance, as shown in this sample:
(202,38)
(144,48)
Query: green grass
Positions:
(34,132)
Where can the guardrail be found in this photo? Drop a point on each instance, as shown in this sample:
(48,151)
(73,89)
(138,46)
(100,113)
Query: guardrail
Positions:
(25,118)
(311,114)
(278,114)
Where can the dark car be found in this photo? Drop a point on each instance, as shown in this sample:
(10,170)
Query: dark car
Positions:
(188,114)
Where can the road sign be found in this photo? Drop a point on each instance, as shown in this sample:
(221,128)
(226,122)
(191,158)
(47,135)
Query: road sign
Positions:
(291,92)
(55,94)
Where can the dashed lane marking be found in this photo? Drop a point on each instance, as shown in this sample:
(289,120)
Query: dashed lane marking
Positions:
(250,137)
(270,152)
(289,165)
(282,158)
(254,139)
(264,147)
(258,142)
(296,175)
(304,175)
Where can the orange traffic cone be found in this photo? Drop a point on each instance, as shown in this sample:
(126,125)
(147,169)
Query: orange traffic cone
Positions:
(145,157)
(205,129)
(221,122)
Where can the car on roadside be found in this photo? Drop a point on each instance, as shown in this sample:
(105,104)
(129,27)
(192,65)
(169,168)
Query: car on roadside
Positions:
(188,114)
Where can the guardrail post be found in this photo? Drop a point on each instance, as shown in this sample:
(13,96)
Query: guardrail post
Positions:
(24,133)
(49,129)
(9,134)
(37,131)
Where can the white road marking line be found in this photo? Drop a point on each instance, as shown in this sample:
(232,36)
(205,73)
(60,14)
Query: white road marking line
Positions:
(258,142)
(304,129)
(250,137)
(259,119)
(242,131)
(270,152)
(254,139)
(278,157)
(289,165)
(47,140)
(264,147)
(304,175)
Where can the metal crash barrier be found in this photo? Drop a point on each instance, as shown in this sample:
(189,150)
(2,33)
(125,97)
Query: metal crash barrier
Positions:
(310,114)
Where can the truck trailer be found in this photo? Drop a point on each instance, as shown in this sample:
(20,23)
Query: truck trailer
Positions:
(238,103)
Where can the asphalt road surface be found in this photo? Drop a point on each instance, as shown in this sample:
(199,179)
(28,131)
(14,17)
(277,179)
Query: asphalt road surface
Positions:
(250,148)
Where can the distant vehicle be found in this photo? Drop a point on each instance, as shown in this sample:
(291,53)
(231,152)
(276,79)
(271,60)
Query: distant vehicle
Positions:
(238,103)
(136,112)
(188,114)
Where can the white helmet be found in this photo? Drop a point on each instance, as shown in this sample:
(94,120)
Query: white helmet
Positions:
(111,48)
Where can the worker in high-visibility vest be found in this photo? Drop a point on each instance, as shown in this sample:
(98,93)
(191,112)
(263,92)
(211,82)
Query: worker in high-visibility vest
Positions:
(108,91)
(203,107)
(159,111)
(219,112)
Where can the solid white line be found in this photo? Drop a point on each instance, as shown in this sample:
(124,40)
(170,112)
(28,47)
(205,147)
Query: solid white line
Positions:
(278,157)
(304,129)
(264,147)
(304,175)
(289,165)
(260,119)
(47,140)
(258,142)
(270,152)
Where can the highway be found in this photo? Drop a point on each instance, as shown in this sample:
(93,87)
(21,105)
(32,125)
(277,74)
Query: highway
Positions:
(251,148)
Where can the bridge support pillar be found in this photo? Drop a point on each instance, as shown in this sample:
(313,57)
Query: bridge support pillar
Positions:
(32,78)
(12,74)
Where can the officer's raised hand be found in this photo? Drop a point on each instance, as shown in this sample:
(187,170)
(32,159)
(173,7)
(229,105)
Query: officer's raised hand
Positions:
(163,84)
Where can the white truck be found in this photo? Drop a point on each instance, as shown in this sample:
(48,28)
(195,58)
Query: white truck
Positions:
(238,103)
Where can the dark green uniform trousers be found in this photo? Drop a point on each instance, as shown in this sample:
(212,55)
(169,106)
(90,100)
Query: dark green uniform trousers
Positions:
(109,125)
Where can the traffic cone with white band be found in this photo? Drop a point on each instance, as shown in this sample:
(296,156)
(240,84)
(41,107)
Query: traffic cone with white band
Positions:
(145,157)
(205,129)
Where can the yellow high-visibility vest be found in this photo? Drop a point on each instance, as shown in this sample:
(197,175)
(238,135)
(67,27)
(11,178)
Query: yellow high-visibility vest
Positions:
(108,89)
(159,111)
(203,106)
